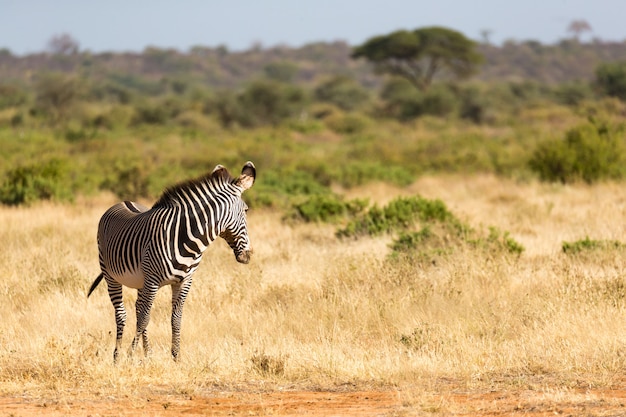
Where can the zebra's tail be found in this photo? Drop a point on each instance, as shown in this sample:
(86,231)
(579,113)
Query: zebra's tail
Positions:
(95,284)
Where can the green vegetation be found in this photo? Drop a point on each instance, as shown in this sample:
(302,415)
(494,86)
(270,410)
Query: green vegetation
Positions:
(44,181)
(611,79)
(422,54)
(423,229)
(311,118)
(587,244)
(400,214)
(590,152)
(327,208)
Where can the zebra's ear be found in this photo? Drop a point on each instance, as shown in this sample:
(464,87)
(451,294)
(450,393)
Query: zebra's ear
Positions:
(247,177)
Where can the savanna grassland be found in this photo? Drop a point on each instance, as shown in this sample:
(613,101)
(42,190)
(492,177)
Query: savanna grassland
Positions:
(312,312)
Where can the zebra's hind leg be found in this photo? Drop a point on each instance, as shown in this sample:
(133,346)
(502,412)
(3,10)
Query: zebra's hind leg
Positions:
(145,299)
(115,294)
(179,294)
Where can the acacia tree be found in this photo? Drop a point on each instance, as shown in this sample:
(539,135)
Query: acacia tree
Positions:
(578,27)
(421,54)
(63,44)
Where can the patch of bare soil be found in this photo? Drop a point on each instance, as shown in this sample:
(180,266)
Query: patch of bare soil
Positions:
(594,402)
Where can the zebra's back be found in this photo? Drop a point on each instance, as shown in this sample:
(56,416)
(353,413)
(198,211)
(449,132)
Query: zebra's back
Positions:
(123,222)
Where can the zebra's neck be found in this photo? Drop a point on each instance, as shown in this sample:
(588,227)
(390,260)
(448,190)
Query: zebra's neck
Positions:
(201,205)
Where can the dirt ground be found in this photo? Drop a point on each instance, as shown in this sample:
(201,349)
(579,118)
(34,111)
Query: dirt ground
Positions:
(452,402)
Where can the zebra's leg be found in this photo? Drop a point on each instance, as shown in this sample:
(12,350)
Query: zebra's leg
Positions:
(145,299)
(179,294)
(115,294)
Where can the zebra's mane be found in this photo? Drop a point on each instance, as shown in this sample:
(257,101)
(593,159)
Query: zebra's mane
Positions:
(217,178)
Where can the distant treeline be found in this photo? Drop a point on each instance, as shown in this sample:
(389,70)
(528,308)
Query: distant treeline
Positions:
(568,60)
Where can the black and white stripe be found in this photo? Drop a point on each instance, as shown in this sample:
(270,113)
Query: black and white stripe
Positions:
(148,248)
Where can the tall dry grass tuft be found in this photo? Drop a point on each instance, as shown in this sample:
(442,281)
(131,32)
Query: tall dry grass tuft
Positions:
(312,310)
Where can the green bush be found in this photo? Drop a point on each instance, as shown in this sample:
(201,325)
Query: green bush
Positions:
(347,123)
(343,92)
(475,105)
(426,229)
(267,102)
(158,112)
(573,93)
(226,108)
(403,102)
(437,239)
(326,208)
(400,214)
(586,244)
(282,188)
(590,152)
(11,95)
(497,240)
(129,181)
(426,242)
(611,79)
(56,93)
(42,181)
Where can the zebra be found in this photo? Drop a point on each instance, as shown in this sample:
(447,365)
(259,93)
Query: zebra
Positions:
(147,249)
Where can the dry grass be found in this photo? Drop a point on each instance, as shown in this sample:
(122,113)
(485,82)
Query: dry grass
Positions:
(311,311)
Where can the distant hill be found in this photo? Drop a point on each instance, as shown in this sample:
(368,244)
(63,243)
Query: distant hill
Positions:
(218,68)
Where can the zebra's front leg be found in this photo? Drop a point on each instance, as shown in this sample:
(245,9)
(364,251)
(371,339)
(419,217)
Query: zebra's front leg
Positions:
(179,294)
(143,305)
(115,294)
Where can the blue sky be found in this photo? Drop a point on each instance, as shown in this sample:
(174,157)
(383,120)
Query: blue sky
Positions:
(26,26)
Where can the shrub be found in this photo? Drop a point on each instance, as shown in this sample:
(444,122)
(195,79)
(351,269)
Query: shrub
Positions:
(42,181)
(573,93)
(497,240)
(226,107)
(611,79)
(590,152)
(326,208)
(281,188)
(347,123)
(151,113)
(442,238)
(425,242)
(426,229)
(474,105)
(129,181)
(439,101)
(11,96)
(342,91)
(56,93)
(586,244)
(400,214)
(158,112)
(405,103)
(267,102)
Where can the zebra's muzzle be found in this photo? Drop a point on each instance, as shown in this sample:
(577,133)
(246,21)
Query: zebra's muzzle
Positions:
(244,256)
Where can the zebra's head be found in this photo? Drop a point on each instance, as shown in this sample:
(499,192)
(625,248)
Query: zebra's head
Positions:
(236,227)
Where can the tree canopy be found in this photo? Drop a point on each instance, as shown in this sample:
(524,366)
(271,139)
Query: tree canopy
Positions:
(611,79)
(421,54)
